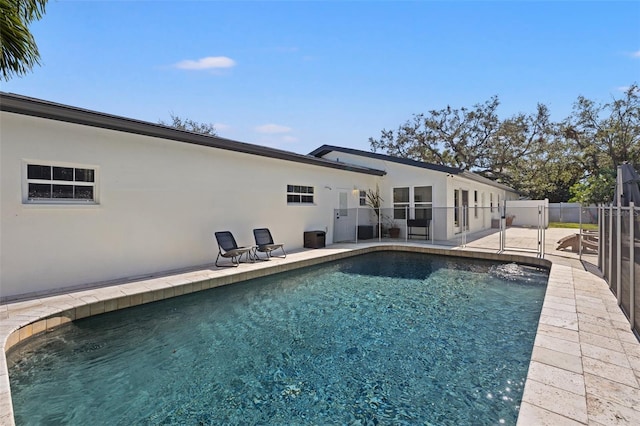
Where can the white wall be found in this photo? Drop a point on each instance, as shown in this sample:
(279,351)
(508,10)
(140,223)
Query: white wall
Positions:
(159,203)
(443,186)
(525,212)
(489,204)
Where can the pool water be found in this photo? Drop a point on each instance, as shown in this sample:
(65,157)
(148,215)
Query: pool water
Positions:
(383,338)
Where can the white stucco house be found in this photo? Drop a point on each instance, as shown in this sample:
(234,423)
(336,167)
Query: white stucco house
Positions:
(88,197)
(450,198)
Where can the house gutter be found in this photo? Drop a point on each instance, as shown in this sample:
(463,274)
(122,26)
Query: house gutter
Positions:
(23,105)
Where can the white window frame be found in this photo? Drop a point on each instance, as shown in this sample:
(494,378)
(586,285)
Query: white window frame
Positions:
(400,207)
(26,199)
(424,205)
(303,192)
(362,198)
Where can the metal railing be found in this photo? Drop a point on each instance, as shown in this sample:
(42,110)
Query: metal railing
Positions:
(485,228)
(619,257)
(573,213)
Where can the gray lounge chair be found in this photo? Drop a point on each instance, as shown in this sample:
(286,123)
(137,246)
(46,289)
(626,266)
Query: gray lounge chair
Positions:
(227,247)
(265,244)
(589,242)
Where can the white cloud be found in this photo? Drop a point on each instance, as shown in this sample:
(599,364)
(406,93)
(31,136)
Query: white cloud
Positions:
(272,129)
(221,126)
(635,54)
(278,141)
(210,62)
(625,89)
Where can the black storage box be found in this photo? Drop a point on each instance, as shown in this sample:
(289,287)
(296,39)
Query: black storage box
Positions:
(314,239)
(365,232)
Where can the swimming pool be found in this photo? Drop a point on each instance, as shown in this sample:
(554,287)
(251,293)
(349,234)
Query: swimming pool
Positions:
(388,337)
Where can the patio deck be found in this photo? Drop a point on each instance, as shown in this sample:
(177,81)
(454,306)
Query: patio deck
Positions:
(585,365)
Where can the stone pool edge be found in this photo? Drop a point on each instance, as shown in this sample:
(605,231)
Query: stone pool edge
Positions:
(25,319)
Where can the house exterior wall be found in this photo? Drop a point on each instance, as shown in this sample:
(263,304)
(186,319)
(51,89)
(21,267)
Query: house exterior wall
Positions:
(443,190)
(490,200)
(160,200)
(159,203)
(529,213)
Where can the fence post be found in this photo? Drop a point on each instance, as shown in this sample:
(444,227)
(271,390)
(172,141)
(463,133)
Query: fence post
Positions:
(465,225)
(406,224)
(619,254)
(503,228)
(580,234)
(541,230)
(545,222)
(632,275)
(539,234)
(433,211)
(357,210)
(610,246)
(600,237)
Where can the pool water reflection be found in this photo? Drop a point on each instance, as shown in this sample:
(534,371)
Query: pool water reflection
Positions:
(386,337)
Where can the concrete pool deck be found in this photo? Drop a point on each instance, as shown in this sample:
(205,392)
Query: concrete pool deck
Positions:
(585,365)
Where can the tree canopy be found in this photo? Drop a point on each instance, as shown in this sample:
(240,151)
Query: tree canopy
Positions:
(603,136)
(531,153)
(190,125)
(19,52)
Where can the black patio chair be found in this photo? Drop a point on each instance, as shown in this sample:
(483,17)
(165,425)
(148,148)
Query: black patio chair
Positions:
(227,247)
(265,244)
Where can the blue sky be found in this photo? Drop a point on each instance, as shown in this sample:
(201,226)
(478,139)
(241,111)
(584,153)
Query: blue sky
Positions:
(295,75)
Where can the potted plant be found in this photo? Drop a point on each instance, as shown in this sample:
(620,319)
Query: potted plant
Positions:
(388,225)
(509,219)
(374,200)
(392,227)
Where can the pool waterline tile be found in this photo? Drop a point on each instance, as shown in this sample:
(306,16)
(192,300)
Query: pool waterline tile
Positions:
(570,287)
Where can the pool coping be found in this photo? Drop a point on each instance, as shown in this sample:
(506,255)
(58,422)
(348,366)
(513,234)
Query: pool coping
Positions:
(574,358)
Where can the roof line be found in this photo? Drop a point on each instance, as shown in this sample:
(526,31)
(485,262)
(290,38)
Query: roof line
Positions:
(19,104)
(325,149)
